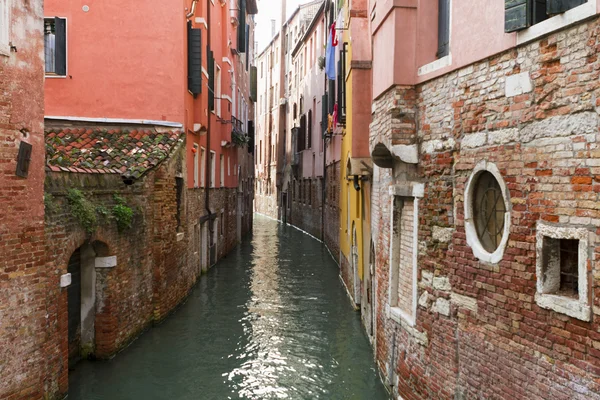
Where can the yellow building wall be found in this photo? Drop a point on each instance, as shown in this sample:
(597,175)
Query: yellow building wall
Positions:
(351,206)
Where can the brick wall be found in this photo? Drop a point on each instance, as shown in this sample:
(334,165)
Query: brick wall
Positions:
(26,341)
(479,332)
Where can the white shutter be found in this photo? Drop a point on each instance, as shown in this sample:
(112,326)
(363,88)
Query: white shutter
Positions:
(4,27)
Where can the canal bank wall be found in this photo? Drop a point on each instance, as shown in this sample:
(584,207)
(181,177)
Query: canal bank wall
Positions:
(111,278)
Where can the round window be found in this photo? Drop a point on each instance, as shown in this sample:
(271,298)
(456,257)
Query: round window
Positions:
(488,211)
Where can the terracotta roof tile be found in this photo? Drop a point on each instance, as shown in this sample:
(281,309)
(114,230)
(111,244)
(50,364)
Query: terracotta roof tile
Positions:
(103,151)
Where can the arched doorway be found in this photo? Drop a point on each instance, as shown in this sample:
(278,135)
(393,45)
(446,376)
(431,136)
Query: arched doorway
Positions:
(81,298)
(356,278)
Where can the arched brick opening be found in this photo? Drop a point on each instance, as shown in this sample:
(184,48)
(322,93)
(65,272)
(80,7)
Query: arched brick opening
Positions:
(85,265)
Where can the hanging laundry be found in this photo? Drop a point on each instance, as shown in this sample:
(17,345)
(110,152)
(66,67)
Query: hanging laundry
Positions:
(330,54)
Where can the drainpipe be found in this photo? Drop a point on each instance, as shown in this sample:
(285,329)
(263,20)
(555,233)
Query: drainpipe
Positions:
(192,9)
(356,184)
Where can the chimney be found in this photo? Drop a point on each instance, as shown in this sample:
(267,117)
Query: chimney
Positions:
(273,29)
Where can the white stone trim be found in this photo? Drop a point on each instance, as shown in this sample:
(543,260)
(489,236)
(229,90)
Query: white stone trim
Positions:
(168,124)
(416,191)
(205,72)
(106,262)
(436,65)
(557,22)
(65,280)
(227,60)
(574,307)
(470,230)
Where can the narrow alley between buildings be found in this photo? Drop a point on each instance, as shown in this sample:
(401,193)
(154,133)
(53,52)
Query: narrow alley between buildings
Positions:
(270,321)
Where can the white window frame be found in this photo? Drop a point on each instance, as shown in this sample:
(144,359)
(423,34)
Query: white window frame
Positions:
(470,229)
(222,170)
(202,167)
(218,89)
(196,171)
(576,307)
(52,75)
(5,13)
(213,161)
(415,191)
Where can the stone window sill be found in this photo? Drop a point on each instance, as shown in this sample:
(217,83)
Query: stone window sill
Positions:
(396,314)
(557,22)
(408,324)
(435,65)
(565,305)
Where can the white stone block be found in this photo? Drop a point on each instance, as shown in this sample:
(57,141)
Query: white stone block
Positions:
(106,262)
(464,301)
(442,283)
(518,84)
(441,234)
(426,278)
(65,280)
(442,306)
(424,300)
(474,140)
(180,236)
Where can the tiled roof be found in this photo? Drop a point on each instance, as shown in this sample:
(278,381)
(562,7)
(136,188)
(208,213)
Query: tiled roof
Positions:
(116,151)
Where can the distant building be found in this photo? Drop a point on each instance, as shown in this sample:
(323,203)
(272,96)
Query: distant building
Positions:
(297,164)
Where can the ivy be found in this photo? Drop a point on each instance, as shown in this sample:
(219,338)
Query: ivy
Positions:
(83,210)
(239,139)
(122,213)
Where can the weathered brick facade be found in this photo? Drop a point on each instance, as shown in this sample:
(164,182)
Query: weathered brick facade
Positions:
(25,333)
(479,331)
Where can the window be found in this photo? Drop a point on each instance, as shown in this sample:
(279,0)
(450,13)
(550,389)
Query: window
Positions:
(222,170)
(5,8)
(196,172)
(218,89)
(212,169)
(521,14)
(202,166)
(228,166)
(562,255)
(443,28)
(55,46)
(402,295)
(222,223)
(487,216)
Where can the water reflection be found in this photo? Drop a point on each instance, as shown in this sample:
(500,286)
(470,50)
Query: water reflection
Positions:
(271,321)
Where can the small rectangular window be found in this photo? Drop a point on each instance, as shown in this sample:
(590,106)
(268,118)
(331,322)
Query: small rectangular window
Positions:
(560,266)
(5,8)
(55,46)
(521,14)
(443,28)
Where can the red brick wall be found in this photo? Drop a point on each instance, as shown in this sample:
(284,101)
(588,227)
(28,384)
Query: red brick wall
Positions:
(479,332)
(25,333)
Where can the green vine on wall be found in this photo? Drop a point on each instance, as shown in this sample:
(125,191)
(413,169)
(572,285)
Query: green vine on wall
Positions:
(83,210)
(122,213)
(89,215)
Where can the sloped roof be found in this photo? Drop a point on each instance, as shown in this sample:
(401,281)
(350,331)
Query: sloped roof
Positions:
(112,151)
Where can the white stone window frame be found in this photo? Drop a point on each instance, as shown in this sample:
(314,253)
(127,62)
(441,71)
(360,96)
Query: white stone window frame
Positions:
(415,191)
(470,230)
(576,307)
(5,8)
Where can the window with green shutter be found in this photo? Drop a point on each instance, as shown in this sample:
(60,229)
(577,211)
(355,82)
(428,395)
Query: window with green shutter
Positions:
(521,14)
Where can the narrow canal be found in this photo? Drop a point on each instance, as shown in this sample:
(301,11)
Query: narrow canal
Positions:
(271,321)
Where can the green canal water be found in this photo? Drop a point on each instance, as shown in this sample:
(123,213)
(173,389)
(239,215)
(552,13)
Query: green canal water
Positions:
(270,321)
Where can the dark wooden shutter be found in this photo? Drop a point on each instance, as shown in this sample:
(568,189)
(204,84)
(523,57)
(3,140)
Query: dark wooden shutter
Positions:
(302,134)
(309,134)
(211,81)
(253,83)
(538,12)
(247,48)
(60,31)
(251,137)
(331,95)
(560,6)
(443,28)
(517,15)
(241,29)
(194,60)
(342,87)
(324,113)
(23,160)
